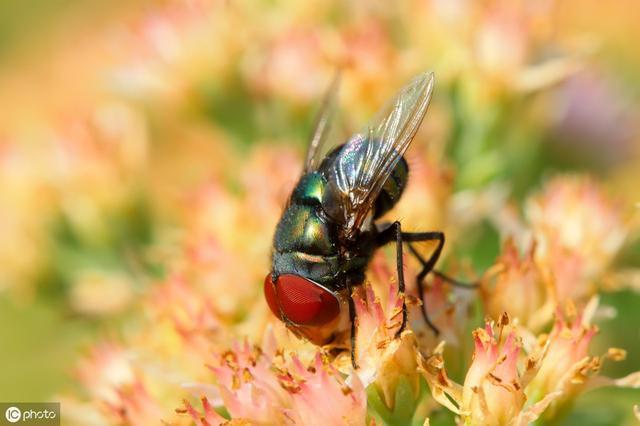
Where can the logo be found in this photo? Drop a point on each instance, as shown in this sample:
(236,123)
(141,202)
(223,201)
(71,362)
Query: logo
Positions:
(13,414)
(30,413)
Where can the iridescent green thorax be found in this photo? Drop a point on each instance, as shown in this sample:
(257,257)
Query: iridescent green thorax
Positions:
(302,229)
(307,241)
(310,189)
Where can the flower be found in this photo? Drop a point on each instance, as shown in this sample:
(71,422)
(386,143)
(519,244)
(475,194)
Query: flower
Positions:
(184,82)
(565,361)
(295,53)
(564,364)
(515,378)
(578,230)
(493,390)
(266,387)
(517,285)
(383,358)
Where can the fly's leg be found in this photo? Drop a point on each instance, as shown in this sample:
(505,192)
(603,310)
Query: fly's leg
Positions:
(394,233)
(442,276)
(400,268)
(427,265)
(352,319)
(454,282)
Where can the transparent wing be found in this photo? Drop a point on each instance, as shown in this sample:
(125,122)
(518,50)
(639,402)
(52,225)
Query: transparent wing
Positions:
(367,160)
(316,149)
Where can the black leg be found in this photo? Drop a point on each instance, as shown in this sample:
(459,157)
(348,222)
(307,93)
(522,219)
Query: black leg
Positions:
(400,267)
(454,282)
(427,266)
(394,230)
(394,233)
(352,319)
(444,277)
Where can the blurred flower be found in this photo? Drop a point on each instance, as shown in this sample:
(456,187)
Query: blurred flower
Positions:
(147,106)
(106,367)
(591,118)
(516,285)
(578,230)
(80,174)
(134,406)
(503,42)
(97,292)
(295,67)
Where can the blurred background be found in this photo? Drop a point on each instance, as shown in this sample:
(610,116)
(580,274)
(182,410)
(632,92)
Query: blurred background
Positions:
(113,113)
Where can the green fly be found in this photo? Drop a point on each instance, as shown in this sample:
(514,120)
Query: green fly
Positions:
(328,231)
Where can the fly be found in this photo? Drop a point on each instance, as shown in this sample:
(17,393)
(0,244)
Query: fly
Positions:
(328,232)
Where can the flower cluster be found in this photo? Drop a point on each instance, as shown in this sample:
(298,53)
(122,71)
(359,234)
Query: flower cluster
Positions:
(515,377)
(146,193)
(516,374)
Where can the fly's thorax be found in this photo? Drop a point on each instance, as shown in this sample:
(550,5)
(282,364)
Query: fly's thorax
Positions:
(310,189)
(309,242)
(302,228)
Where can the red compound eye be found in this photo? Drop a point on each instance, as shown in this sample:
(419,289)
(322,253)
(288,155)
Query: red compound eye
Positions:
(300,300)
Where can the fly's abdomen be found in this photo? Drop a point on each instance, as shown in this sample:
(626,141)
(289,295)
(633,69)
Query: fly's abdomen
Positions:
(392,189)
(345,171)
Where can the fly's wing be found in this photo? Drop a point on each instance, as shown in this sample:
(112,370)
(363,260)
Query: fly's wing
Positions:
(365,162)
(316,149)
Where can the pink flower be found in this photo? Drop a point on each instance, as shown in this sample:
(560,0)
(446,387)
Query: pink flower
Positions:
(515,377)
(104,369)
(503,41)
(267,387)
(564,364)
(493,391)
(118,388)
(295,67)
(191,313)
(248,385)
(135,406)
(579,230)
(378,317)
(209,417)
(516,285)
(321,396)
